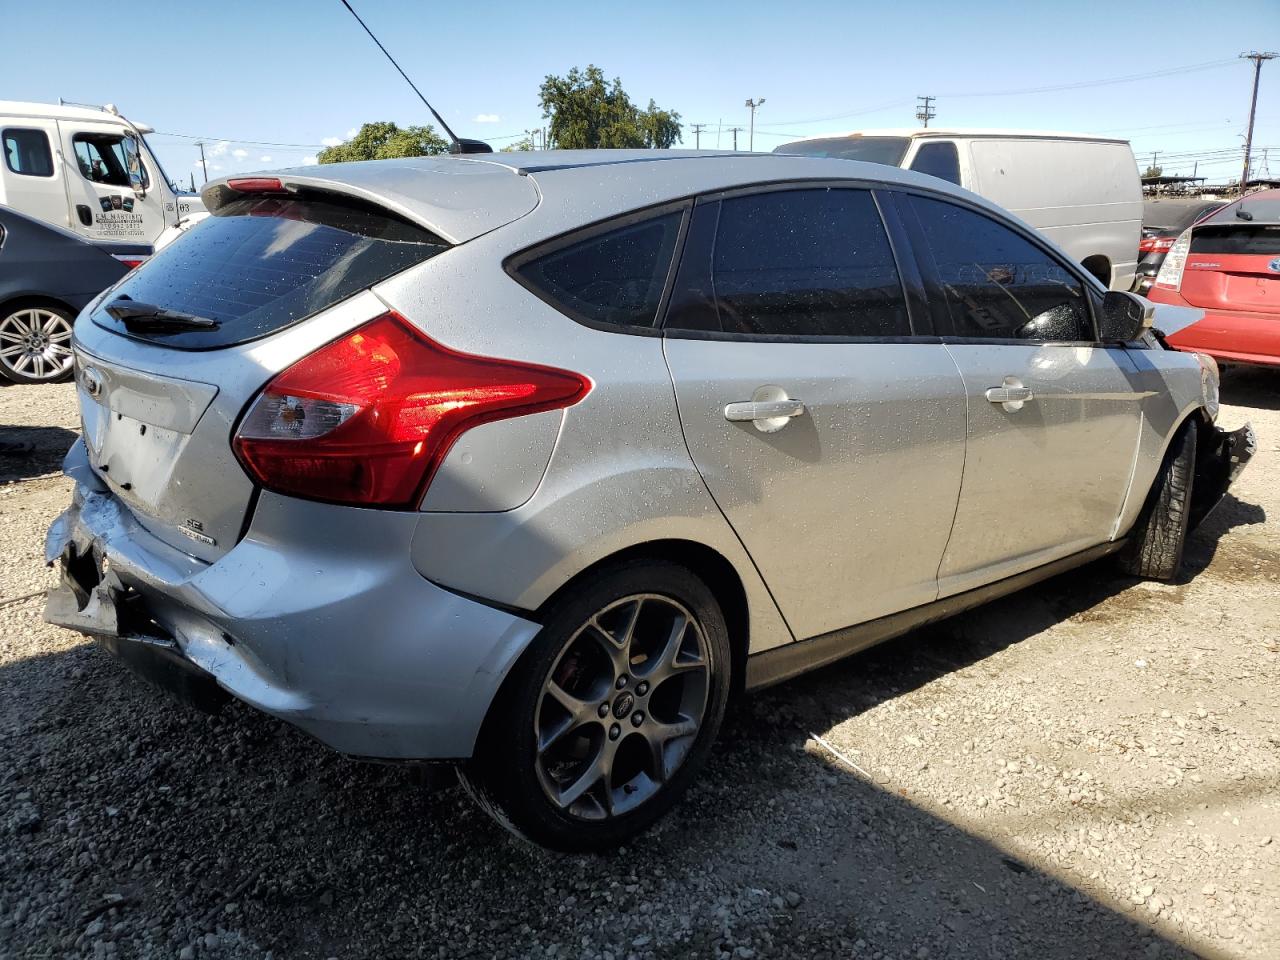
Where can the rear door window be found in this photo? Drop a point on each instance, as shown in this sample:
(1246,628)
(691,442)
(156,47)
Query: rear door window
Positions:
(998,284)
(611,275)
(938,160)
(27,152)
(263,263)
(807,263)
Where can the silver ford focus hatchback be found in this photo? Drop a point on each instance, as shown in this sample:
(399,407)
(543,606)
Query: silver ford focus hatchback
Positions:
(532,462)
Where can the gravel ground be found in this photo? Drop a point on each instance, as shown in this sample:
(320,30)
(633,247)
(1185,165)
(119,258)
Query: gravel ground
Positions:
(1087,768)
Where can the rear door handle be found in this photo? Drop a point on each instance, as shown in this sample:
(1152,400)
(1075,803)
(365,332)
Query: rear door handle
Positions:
(1011,394)
(763,410)
(769,409)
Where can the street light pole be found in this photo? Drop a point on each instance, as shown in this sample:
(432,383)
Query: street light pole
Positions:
(751,105)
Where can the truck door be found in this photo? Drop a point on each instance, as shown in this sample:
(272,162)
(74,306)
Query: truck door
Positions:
(103,204)
(34,180)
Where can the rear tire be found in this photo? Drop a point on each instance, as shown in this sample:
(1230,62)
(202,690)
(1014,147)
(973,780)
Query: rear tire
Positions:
(1158,537)
(611,713)
(35,342)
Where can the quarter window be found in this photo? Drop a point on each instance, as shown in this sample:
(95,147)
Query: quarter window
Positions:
(613,277)
(997,283)
(814,262)
(27,152)
(938,160)
(100,157)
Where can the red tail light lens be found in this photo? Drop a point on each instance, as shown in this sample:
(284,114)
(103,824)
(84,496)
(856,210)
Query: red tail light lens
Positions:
(368,419)
(256,184)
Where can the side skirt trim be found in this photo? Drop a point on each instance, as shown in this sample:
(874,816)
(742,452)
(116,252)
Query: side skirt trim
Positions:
(790,660)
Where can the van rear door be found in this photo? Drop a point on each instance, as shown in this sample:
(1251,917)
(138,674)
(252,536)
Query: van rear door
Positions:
(103,205)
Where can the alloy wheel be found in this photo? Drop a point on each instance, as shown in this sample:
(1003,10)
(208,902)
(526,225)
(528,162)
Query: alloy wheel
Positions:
(35,344)
(621,707)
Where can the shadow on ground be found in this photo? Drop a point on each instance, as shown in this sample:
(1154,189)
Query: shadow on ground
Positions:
(1252,387)
(319,856)
(32,451)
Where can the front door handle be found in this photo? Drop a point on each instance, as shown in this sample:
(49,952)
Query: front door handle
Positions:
(769,409)
(1011,394)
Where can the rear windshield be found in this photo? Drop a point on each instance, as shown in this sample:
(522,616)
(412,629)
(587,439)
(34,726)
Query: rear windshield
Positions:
(1262,207)
(1238,237)
(264,263)
(887,150)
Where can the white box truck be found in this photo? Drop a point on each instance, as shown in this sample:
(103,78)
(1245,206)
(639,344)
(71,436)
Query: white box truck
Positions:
(1081,191)
(88,170)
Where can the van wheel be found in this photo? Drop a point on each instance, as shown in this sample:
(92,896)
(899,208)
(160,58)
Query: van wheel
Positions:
(613,711)
(1158,537)
(35,342)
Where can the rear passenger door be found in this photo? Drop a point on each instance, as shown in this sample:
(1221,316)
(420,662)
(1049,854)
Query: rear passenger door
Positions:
(1053,415)
(828,429)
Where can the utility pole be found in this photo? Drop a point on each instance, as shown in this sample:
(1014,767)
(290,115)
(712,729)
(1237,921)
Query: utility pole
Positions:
(924,109)
(751,105)
(1257,59)
(697,135)
(204,168)
(735,131)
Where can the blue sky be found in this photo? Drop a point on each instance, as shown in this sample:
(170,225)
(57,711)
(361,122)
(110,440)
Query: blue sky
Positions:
(295,74)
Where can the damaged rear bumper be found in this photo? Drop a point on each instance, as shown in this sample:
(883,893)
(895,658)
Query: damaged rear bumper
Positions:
(1220,459)
(317,616)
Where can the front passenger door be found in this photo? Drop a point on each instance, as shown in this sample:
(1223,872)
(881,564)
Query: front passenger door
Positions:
(1053,415)
(841,481)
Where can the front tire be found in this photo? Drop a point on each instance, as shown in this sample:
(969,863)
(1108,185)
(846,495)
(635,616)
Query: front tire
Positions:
(35,342)
(613,710)
(1159,536)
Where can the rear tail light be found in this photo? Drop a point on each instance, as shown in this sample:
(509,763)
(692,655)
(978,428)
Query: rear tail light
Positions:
(256,185)
(1170,275)
(1155,244)
(132,262)
(369,418)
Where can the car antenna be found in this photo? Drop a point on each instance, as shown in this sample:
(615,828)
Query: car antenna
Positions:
(459,146)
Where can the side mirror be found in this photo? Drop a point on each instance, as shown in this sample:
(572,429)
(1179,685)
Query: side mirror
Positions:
(1124,316)
(133,165)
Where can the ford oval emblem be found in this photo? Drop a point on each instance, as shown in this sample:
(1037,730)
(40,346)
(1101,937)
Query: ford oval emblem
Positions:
(91,380)
(1274,265)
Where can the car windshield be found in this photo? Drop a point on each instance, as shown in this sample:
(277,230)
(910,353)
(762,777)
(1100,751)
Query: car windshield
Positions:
(887,150)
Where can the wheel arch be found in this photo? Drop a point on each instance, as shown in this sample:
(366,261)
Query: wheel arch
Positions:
(1099,265)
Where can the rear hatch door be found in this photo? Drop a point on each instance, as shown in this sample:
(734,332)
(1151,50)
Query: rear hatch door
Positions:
(168,359)
(1234,266)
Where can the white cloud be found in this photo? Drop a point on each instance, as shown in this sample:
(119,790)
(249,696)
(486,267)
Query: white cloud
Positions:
(352,132)
(308,161)
(198,163)
(239,154)
(331,141)
(266,159)
(486,118)
(220,148)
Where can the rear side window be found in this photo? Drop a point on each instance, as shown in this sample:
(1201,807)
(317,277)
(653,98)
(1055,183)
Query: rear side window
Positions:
(611,276)
(792,263)
(997,283)
(264,263)
(938,160)
(27,152)
(101,159)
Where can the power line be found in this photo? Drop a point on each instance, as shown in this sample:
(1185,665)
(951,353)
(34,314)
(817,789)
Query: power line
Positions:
(735,131)
(697,134)
(1129,78)
(252,143)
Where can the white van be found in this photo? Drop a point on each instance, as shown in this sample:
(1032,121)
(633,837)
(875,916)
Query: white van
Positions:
(1081,191)
(70,166)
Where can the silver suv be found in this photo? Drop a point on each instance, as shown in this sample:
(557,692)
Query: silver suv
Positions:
(533,462)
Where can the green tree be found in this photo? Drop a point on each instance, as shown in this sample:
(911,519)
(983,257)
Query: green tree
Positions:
(386,141)
(1153,171)
(587,112)
(524,143)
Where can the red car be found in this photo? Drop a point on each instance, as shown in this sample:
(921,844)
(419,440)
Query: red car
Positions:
(1229,265)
